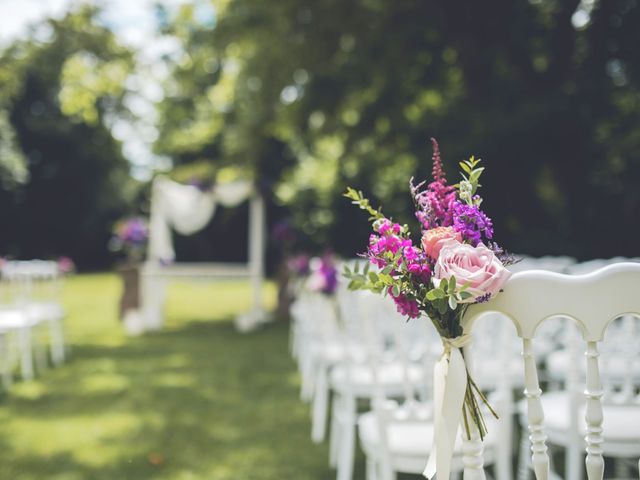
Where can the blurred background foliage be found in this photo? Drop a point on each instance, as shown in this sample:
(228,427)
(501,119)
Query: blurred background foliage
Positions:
(57,90)
(308,97)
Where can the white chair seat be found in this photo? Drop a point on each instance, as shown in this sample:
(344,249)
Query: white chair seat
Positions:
(615,367)
(410,442)
(620,421)
(15,319)
(359,378)
(487,369)
(44,311)
(334,352)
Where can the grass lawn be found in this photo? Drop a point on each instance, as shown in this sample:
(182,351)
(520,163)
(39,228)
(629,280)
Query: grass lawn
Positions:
(195,401)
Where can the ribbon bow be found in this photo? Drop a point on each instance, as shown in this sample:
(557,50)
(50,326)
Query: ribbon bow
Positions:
(450,382)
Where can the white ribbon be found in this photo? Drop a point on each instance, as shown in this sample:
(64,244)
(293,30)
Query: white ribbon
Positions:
(450,383)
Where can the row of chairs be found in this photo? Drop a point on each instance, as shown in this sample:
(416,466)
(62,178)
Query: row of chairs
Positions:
(31,318)
(354,347)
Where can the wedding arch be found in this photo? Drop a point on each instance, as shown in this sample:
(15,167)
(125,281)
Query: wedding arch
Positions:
(187,209)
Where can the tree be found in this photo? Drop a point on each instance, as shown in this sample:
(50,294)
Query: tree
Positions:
(59,87)
(546,92)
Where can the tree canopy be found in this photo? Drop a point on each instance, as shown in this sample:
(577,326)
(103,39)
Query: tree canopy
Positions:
(65,179)
(309,97)
(314,96)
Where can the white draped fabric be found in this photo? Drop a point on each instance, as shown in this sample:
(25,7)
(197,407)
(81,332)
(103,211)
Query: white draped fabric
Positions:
(187,210)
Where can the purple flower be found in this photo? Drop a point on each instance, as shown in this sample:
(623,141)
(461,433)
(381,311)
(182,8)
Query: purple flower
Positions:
(201,184)
(324,275)
(299,265)
(132,231)
(472,223)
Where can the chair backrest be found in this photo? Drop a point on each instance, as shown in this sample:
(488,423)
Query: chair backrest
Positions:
(32,281)
(593,301)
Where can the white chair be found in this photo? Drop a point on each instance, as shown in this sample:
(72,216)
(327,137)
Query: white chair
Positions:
(619,368)
(593,301)
(34,286)
(397,435)
(16,344)
(398,372)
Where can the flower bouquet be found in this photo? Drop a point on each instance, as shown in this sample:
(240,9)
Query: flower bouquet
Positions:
(130,236)
(323,276)
(455,264)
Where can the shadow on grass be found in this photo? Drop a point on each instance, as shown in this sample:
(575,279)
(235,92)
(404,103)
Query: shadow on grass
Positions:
(200,402)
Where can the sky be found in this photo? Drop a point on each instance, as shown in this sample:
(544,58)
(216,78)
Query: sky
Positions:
(133,22)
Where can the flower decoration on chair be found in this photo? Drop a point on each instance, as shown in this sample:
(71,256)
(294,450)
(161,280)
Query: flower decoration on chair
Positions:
(66,266)
(130,236)
(323,276)
(454,265)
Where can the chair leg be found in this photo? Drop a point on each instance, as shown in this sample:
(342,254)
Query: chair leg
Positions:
(26,353)
(307,370)
(504,465)
(56,334)
(334,439)
(320,407)
(348,439)
(40,349)
(370,472)
(573,459)
(524,469)
(5,357)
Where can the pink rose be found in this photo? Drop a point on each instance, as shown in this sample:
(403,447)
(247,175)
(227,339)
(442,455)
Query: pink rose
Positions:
(476,266)
(434,239)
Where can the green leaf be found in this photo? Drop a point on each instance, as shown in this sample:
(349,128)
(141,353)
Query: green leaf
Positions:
(396,290)
(438,293)
(452,302)
(475,174)
(452,284)
(442,307)
(373,277)
(465,167)
(464,295)
(358,198)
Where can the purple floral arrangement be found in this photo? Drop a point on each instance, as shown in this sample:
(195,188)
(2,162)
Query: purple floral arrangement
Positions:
(454,264)
(323,276)
(130,236)
(298,265)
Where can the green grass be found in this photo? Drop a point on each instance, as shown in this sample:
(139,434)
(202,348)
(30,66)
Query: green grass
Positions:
(195,401)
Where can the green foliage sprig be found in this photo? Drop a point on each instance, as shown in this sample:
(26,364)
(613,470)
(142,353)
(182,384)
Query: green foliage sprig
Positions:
(358,198)
(468,187)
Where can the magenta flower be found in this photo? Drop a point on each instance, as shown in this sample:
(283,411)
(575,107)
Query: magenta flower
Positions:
(406,306)
(434,205)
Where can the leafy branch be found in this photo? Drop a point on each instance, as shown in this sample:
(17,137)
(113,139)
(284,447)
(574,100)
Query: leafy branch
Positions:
(358,198)
(471,175)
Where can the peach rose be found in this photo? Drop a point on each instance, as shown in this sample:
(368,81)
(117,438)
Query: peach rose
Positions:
(434,239)
(476,266)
